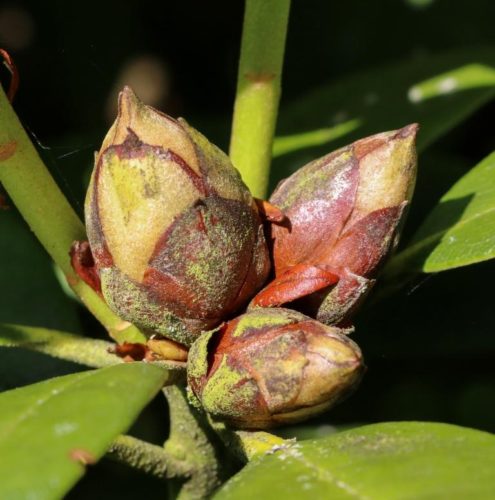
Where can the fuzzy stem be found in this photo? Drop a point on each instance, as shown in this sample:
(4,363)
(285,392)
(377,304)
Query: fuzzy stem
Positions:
(148,458)
(48,213)
(189,441)
(88,352)
(71,347)
(258,90)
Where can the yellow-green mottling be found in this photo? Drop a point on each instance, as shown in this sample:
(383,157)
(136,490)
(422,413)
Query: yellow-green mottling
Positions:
(220,171)
(193,399)
(224,394)
(197,359)
(131,303)
(263,318)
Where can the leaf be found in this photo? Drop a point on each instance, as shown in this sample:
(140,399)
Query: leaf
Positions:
(287,144)
(47,430)
(90,352)
(380,461)
(460,230)
(437,91)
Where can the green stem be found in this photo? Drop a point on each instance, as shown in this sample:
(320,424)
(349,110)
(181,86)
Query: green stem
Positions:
(88,352)
(148,458)
(190,442)
(258,90)
(48,213)
(82,350)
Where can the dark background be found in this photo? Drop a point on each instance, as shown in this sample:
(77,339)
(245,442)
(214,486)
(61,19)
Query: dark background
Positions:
(430,348)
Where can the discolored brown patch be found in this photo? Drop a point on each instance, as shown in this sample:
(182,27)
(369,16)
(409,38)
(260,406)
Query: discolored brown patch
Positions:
(7,150)
(14,82)
(82,456)
(129,351)
(3,203)
(84,265)
(259,77)
(368,145)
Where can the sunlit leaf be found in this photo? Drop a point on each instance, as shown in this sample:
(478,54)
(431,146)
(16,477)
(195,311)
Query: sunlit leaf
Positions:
(389,460)
(460,230)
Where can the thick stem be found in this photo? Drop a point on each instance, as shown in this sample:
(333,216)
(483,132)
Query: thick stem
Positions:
(48,213)
(190,442)
(88,352)
(82,350)
(148,458)
(258,90)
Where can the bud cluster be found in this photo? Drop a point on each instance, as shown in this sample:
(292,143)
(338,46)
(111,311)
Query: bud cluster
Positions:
(179,247)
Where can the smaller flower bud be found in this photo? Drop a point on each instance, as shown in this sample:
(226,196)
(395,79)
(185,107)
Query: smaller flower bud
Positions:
(343,213)
(272,366)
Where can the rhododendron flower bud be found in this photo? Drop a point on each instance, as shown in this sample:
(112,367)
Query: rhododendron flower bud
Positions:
(270,367)
(176,237)
(342,212)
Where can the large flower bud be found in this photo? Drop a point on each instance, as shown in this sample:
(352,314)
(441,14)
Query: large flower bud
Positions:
(272,366)
(175,234)
(343,214)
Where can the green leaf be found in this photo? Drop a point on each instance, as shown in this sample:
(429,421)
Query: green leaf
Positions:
(287,144)
(437,91)
(460,229)
(388,460)
(45,427)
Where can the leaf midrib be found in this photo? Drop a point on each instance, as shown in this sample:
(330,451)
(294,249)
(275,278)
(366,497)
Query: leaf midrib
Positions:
(329,477)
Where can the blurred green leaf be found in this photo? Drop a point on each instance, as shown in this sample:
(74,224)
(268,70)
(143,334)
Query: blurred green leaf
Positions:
(388,460)
(459,230)
(287,144)
(47,430)
(30,292)
(438,91)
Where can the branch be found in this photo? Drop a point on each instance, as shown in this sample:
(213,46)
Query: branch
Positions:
(189,441)
(82,350)
(48,213)
(148,458)
(88,352)
(258,90)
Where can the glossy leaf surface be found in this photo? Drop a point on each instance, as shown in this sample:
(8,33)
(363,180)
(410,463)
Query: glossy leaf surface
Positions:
(381,461)
(460,230)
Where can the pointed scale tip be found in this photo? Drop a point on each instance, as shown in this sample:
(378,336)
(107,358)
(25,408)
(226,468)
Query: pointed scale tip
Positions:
(408,131)
(128,101)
